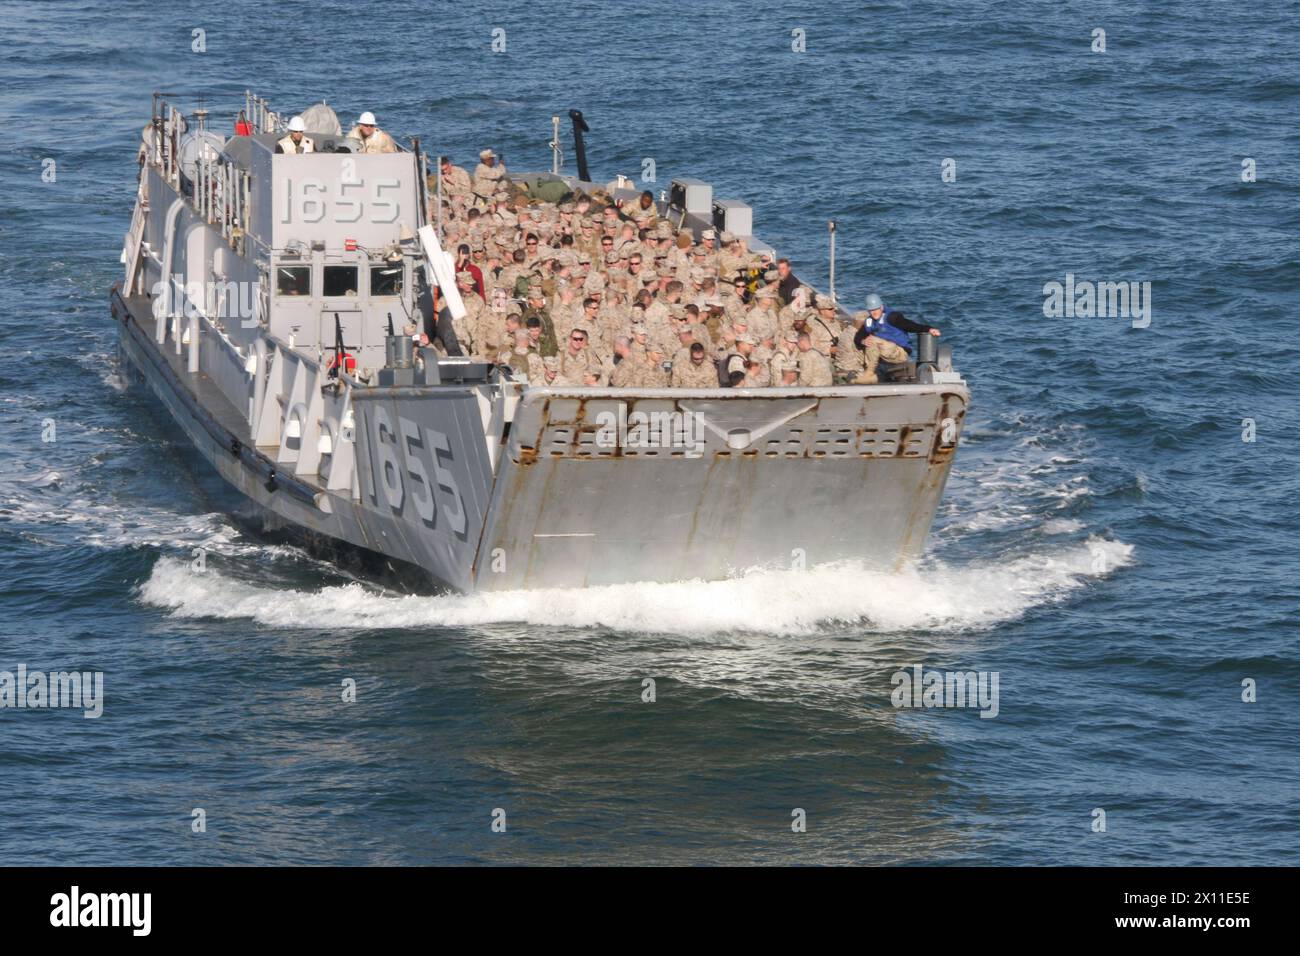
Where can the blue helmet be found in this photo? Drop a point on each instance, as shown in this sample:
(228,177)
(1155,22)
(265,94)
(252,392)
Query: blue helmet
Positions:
(874,302)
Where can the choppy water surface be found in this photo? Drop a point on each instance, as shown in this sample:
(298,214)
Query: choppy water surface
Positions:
(1108,545)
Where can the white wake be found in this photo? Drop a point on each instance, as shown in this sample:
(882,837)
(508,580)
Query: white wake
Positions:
(934,596)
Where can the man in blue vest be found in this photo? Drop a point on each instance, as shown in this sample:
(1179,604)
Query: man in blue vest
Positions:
(885,337)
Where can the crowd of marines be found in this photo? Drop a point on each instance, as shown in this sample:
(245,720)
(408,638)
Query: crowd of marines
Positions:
(589,292)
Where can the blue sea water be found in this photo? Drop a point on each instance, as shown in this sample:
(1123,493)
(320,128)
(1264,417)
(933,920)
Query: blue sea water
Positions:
(1109,544)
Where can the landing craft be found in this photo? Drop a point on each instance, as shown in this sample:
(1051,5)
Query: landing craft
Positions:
(329,423)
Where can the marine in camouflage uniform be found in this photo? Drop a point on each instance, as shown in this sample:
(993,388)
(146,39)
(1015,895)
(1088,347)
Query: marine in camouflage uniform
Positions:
(456,184)
(577,361)
(798,306)
(785,356)
(649,370)
(619,368)
(763,321)
(567,312)
(823,327)
(641,208)
(520,358)
(814,366)
(850,362)
(549,344)
(489,176)
(474,308)
(696,372)
(552,374)
(757,374)
(731,258)
(640,341)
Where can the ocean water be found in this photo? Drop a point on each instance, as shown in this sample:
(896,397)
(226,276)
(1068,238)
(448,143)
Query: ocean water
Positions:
(1109,545)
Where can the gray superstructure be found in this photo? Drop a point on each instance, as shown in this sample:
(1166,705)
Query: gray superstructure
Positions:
(459,467)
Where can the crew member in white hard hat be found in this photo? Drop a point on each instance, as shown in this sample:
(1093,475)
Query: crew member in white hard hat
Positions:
(369,138)
(297,141)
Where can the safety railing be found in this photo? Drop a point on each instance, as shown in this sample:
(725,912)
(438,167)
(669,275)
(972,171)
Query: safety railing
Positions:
(216,188)
(222,195)
(259,113)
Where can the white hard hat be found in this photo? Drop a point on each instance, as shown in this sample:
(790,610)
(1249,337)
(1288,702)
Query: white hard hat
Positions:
(296,125)
(367,119)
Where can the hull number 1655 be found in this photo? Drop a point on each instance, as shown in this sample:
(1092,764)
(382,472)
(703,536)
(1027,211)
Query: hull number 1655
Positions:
(407,457)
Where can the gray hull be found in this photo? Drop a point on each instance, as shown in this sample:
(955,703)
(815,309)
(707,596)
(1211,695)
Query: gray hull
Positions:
(776,478)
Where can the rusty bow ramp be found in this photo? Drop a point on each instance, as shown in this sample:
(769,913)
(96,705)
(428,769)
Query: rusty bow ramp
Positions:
(602,486)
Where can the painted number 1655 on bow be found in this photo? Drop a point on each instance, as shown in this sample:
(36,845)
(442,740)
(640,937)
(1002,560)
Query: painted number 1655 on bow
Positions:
(408,458)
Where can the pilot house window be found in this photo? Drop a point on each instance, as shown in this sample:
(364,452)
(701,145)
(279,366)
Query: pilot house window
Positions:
(386,280)
(341,280)
(293,280)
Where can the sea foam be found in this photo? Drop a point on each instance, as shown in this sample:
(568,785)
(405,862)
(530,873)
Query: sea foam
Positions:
(934,595)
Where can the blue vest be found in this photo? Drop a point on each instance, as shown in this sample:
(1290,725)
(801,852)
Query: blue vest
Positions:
(881,329)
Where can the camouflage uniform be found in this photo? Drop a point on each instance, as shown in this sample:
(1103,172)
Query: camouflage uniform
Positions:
(874,350)
(585,362)
(548,345)
(823,333)
(700,332)
(849,360)
(632,209)
(761,378)
(487,180)
(763,322)
(814,369)
(788,315)
(648,373)
(689,375)
(535,367)
(780,361)
(657,312)
(627,373)
(487,330)
(730,265)
(566,318)
(456,184)
(469,331)
(520,359)
(663,333)
(509,276)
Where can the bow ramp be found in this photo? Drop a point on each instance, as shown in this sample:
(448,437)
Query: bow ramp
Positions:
(600,486)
